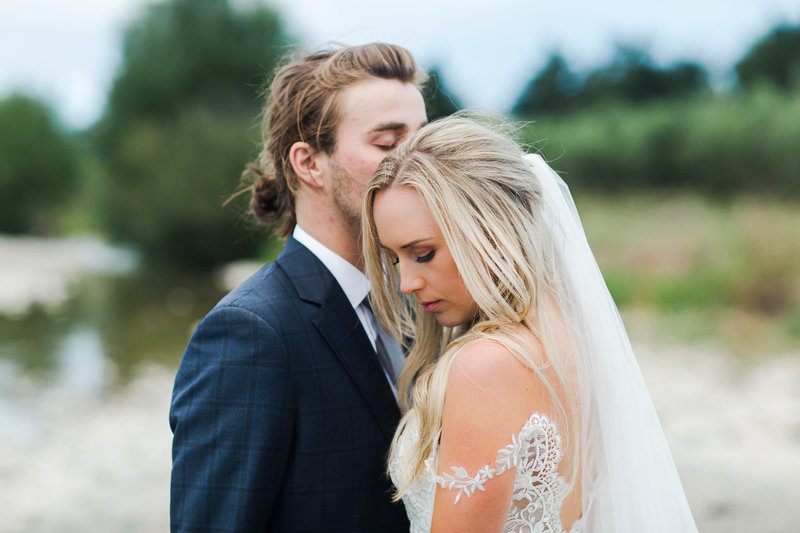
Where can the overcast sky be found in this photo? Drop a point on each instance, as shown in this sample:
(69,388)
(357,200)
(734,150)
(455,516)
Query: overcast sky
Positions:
(67,51)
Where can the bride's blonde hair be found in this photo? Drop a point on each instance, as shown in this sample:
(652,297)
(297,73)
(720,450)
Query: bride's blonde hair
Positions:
(486,200)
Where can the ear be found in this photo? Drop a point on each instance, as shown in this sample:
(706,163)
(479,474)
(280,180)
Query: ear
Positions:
(304,160)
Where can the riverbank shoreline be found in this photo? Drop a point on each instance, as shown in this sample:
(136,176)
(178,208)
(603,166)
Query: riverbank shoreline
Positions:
(102,463)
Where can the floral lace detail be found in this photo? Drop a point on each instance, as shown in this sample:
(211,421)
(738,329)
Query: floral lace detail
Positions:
(539,489)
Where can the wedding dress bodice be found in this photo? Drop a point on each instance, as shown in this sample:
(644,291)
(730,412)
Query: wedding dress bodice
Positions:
(533,455)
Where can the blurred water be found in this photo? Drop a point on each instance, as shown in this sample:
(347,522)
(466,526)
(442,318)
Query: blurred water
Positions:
(81,362)
(79,369)
(17,426)
(89,344)
(78,318)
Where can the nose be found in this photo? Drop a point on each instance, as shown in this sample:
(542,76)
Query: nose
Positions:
(410,283)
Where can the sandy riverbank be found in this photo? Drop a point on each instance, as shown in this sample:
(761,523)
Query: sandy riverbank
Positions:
(42,271)
(103,464)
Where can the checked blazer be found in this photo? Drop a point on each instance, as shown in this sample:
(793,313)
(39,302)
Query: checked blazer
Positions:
(281,414)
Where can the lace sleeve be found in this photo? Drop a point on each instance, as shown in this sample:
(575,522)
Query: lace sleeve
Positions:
(536,449)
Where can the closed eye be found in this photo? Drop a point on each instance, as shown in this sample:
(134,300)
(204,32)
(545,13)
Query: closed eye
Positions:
(427,257)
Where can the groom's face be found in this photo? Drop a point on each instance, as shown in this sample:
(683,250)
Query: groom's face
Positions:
(376,115)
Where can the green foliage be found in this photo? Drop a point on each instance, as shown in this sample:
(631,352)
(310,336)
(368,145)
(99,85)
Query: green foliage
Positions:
(703,289)
(176,176)
(38,166)
(180,126)
(552,90)
(774,60)
(439,101)
(182,53)
(718,145)
(793,324)
(630,78)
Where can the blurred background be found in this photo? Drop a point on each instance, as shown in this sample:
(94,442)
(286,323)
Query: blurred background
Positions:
(125,125)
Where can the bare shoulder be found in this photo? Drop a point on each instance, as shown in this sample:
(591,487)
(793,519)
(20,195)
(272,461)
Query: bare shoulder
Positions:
(490,365)
(489,389)
(485,364)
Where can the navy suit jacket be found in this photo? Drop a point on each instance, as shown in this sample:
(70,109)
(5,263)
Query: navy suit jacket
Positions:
(281,414)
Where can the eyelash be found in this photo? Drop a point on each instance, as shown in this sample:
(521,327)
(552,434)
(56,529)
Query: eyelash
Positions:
(423,259)
(387,148)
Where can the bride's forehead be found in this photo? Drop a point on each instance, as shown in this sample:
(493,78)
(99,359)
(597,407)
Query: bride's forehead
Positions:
(398,200)
(400,213)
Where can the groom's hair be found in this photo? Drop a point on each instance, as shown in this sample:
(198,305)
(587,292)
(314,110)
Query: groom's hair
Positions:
(302,106)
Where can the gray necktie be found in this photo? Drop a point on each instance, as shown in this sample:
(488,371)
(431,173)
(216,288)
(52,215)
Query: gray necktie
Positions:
(389,352)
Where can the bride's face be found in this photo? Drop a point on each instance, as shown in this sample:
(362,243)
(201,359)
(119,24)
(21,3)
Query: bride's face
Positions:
(410,234)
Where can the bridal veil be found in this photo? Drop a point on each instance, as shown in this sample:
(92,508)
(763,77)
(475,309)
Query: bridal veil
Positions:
(630,483)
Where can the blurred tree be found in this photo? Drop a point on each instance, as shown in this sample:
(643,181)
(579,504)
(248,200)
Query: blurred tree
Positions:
(552,90)
(184,52)
(179,126)
(775,59)
(631,77)
(439,101)
(38,166)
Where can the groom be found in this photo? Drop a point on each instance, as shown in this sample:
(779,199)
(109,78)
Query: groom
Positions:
(283,407)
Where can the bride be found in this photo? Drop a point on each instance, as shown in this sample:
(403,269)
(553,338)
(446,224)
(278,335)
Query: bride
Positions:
(526,409)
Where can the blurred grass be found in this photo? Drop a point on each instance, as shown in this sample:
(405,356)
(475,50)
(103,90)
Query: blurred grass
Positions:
(685,267)
(722,145)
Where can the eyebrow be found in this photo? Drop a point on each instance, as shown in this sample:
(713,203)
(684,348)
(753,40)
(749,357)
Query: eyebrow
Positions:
(416,241)
(392,126)
(389,126)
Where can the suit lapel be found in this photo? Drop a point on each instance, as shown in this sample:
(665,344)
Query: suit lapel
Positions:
(337,322)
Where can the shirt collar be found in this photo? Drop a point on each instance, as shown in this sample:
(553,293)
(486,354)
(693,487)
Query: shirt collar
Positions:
(352,281)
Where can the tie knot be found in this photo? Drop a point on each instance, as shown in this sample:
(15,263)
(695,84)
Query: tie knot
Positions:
(365,302)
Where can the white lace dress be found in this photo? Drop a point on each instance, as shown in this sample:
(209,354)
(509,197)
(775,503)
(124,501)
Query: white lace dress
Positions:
(539,489)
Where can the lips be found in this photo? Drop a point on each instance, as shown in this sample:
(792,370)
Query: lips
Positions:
(430,306)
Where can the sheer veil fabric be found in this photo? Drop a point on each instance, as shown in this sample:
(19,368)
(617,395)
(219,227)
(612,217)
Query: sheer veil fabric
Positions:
(630,483)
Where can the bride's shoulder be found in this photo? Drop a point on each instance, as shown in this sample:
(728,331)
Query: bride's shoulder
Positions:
(489,395)
(485,360)
(487,372)
(502,352)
